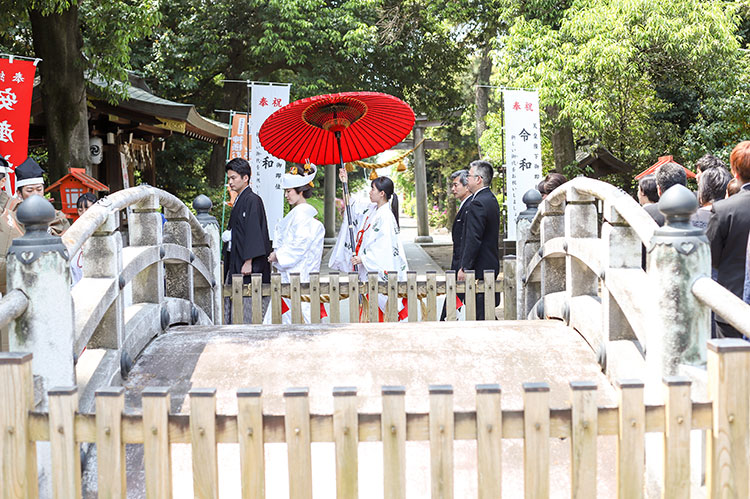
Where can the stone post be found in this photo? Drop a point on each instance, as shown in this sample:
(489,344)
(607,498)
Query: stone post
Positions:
(509,287)
(677,255)
(621,250)
(531,199)
(329,206)
(38,265)
(208,251)
(581,221)
(103,257)
(420,186)
(179,276)
(552,226)
(145,229)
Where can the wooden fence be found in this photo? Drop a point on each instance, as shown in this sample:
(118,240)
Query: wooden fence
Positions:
(335,287)
(725,419)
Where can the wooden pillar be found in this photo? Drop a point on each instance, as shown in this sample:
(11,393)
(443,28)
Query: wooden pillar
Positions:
(420,181)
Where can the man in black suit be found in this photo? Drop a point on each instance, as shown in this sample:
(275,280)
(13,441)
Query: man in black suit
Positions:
(481,229)
(667,175)
(728,230)
(460,190)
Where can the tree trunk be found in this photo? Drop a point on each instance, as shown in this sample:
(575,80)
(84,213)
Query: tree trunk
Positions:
(215,167)
(563,146)
(58,42)
(482,95)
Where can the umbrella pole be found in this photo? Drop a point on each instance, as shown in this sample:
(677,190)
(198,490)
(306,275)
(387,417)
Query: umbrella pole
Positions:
(345,188)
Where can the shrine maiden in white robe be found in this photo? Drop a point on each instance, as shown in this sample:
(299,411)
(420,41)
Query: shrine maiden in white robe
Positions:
(376,242)
(298,243)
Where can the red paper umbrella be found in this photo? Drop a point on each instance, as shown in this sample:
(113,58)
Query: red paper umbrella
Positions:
(368,122)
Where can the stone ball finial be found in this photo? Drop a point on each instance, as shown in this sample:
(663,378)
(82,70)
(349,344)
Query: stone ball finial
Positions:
(532,198)
(35,210)
(678,203)
(202,203)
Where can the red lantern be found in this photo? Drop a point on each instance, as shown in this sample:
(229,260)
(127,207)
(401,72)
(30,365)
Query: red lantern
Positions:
(71,186)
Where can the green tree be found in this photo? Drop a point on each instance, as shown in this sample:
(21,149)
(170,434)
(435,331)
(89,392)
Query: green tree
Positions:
(620,71)
(76,40)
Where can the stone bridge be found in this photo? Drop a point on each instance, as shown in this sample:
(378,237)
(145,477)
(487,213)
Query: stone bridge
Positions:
(148,313)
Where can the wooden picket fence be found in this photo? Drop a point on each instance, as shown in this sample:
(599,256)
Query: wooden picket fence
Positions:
(335,287)
(725,419)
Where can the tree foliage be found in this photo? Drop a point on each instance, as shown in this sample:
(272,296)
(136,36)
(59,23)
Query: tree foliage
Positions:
(628,75)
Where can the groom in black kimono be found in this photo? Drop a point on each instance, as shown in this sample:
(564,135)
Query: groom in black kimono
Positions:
(248,248)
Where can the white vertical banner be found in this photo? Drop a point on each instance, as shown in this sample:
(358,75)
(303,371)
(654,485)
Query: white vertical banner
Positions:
(267,169)
(523,150)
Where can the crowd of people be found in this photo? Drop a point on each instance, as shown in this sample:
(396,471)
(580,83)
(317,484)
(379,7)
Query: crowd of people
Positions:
(724,213)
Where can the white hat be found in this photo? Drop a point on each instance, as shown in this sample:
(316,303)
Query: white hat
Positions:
(297,177)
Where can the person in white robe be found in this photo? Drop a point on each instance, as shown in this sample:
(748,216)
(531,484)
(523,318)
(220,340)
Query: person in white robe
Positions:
(377,246)
(297,239)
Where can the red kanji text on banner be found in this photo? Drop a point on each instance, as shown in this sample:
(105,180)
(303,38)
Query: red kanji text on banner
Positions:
(16,87)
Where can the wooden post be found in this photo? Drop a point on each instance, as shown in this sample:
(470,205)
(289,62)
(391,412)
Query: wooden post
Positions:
(346,438)
(157,455)
(297,427)
(17,452)
(441,441)
(630,439)
(431,309)
(450,295)
(394,441)
(471,296)
(489,295)
(353,284)
(296,299)
(372,293)
(727,449)
(110,450)
(238,307)
(276,298)
(678,414)
(584,428)
(65,452)
(256,292)
(315,297)
(489,441)
(536,440)
(334,295)
(203,439)
(509,288)
(411,295)
(392,311)
(250,437)
(420,186)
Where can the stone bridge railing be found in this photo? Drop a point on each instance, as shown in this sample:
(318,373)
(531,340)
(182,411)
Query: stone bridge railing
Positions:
(579,259)
(165,270)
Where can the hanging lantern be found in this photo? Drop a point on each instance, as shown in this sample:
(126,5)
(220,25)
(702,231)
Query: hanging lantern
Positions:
(373,174)
(401,167)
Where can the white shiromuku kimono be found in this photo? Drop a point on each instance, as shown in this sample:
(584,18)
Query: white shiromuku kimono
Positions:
(298,242)
(376,239)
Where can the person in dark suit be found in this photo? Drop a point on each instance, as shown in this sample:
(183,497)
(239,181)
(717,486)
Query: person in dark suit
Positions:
(667,175)
(481,229)
(460,190)
(728,230)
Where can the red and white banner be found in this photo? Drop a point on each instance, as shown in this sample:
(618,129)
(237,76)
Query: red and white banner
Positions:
(16,87)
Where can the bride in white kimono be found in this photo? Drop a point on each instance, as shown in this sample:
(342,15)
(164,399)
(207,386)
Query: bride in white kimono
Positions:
(377,245)
(298,237)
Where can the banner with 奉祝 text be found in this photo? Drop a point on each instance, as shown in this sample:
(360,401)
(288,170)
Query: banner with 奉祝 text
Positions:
(16,87)
(523,150)
(267,169)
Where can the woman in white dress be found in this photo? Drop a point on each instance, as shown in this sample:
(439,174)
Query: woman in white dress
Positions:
(298,237)
(377,244)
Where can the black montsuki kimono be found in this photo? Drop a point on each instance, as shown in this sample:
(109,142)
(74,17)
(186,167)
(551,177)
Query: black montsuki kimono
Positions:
(249,237)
